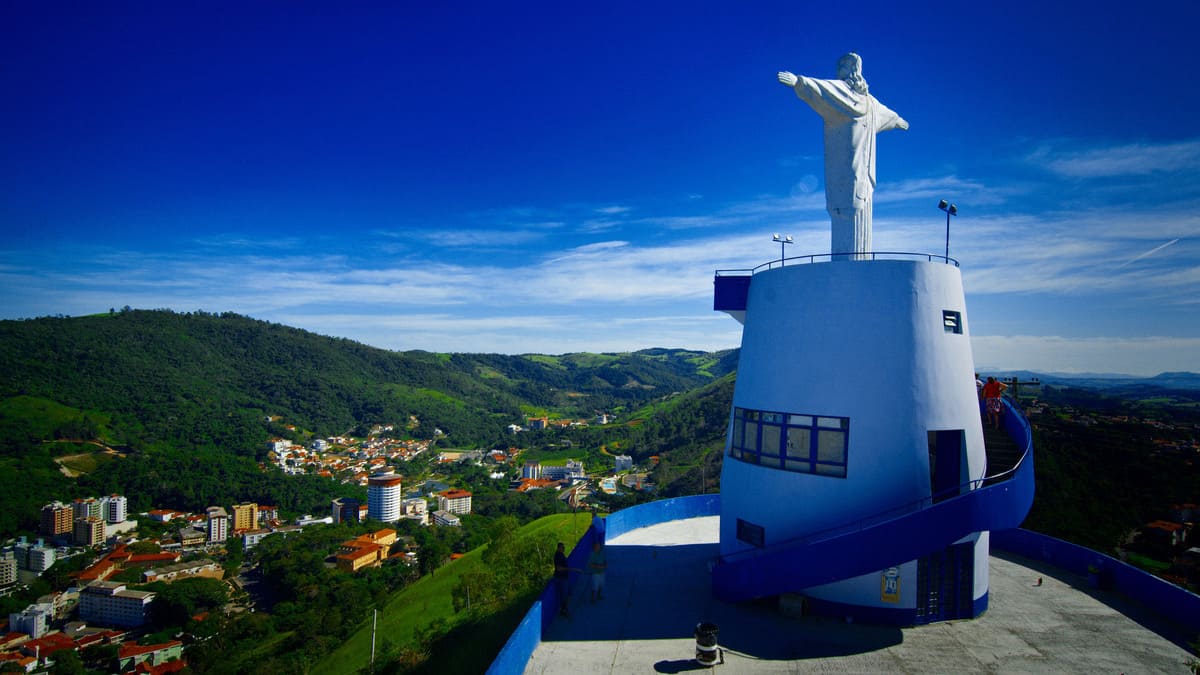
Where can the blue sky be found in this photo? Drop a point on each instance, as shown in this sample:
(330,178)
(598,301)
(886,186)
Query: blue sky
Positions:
(525,177)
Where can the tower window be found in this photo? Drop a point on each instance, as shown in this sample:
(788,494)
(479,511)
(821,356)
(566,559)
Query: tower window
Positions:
(952,321)
(752,534)
(792,442)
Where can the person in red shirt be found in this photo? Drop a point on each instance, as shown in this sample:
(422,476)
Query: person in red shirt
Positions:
(991,397)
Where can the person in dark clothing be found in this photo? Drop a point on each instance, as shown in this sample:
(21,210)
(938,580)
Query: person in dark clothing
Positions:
(562,578)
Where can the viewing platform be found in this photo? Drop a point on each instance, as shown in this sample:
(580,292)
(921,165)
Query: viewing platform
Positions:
(658,590)
(1052,607)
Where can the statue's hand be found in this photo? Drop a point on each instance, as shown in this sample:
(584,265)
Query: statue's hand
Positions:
(902,125)
(787,78)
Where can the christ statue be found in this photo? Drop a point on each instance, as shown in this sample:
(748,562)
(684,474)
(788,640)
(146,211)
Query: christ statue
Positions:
(852,118)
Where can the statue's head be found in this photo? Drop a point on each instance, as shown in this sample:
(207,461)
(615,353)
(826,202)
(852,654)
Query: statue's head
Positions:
(850,71)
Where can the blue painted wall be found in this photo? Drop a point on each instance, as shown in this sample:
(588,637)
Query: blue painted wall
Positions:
(730,292)
(521,644)
(1173,602)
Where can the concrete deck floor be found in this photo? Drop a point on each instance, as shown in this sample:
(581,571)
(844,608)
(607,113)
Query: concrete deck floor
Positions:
(658,590)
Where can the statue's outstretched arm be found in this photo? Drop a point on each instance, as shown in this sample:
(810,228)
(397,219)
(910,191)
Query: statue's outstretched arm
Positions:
(787,78)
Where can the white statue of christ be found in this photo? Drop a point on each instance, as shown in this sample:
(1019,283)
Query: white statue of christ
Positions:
(852,118)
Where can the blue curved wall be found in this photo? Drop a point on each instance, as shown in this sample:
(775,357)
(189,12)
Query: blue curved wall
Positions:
(528,635)
(1169,600)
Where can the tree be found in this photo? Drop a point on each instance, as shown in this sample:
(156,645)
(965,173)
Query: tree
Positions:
(67,662)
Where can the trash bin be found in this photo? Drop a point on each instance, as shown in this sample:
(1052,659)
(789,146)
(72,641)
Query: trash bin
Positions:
(707,652)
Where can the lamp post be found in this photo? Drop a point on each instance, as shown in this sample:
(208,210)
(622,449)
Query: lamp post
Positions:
(783,241)
(951,210)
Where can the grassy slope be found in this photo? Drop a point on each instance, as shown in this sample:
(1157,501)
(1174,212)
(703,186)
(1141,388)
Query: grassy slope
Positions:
(429,599)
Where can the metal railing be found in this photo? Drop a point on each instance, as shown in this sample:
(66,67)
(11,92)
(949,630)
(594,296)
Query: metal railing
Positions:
(827,257)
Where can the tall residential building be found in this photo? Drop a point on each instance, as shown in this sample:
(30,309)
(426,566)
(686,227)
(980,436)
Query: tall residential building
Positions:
(57,518)
(624,462)
(86,508)
(8,570)
(455,501)
(383,497)
(117,509)
(218,524)
(245,516)
(89,531)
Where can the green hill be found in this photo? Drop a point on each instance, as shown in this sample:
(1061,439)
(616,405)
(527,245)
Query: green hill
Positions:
(172,392)
(424,613)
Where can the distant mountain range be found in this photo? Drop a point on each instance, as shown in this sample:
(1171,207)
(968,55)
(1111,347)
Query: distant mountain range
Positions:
(1108,381)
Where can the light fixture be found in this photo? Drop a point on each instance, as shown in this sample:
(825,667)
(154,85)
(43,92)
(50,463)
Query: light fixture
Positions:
(951,210)
(783,240)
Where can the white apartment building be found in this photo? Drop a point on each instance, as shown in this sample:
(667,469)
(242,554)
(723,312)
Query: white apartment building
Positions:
(108,603)
(624,463)
(116,508)
(446,519)
(384,496)
(87,508)
(34,620)
(416,509)
(455,501)
(218,524)
(573,470)
(39,558)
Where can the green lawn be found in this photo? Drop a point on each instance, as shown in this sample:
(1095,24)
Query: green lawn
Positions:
(85,463)
(427,600)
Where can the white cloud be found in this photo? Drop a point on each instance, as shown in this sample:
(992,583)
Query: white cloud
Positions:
(1132,159)
(1049,353)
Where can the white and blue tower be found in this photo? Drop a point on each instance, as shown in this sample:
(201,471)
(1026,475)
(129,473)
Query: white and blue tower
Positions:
(855,470)
(855,403)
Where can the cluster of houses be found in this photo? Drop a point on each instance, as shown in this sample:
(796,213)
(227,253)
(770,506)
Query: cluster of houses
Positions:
(544,423)
(1173,539)
(346,459)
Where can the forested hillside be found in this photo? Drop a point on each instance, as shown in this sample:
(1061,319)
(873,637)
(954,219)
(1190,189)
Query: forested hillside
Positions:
(205,380)
(186,402)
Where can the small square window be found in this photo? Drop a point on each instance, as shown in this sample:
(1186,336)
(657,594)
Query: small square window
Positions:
(952,321)
(752,534)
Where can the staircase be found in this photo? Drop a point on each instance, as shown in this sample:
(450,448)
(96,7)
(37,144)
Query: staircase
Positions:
(1002,453)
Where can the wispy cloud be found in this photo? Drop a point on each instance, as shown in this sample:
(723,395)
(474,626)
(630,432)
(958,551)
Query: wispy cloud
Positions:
(1143,356)
(1120,160)
(1147,254)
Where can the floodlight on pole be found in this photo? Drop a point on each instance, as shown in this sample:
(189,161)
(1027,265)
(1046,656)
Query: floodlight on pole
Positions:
(951,210)
(783,240)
